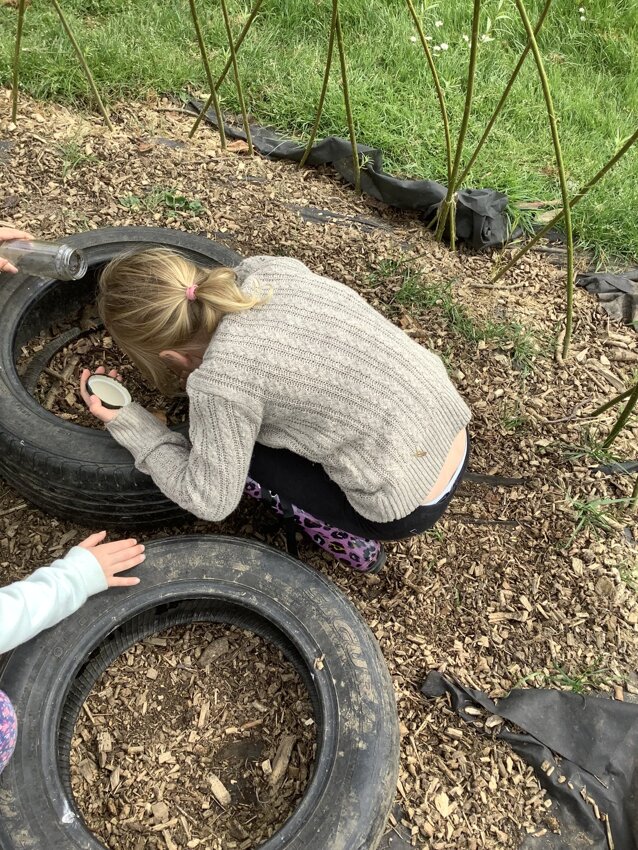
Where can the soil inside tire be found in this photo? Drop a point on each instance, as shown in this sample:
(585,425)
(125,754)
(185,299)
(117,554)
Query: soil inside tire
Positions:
(179,720)
(58,385)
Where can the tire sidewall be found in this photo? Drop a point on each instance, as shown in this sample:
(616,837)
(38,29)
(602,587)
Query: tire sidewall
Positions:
(48,459)
(348,800)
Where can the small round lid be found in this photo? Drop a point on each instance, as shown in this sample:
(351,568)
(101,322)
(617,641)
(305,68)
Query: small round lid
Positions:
(110,392)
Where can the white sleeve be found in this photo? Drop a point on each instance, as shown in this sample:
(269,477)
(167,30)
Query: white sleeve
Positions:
(47,596)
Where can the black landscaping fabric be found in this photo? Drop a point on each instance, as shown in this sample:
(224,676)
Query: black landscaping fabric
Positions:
(481,218)
(618,294)
(590,742)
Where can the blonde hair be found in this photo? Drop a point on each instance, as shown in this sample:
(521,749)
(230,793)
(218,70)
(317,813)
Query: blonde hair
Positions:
(148,303)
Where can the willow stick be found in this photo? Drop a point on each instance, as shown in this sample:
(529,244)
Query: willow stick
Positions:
(83,63)
(437,87)
(209,76)
(226,68)
(240,93)
(569,307)
(505,95)
(577,197)
(633,499)
(614,401)
(448,204)
(346,97)
(324,87)
(16,60)
(624,416)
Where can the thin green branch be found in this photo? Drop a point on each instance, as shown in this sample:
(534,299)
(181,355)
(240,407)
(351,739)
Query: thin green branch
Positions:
(226,69)
(324,87)
(346,97)
(448,205)
(209,76)
(240,93)
(83,63)
(569,307)
(624,416)
(16,60)
(504,96)
(438,88)
(577,197)
(612,403)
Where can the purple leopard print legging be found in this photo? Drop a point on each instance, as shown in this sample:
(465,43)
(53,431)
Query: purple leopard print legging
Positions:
(8,730)
(359,553)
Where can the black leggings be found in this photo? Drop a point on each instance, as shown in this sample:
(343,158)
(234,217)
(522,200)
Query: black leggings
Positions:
(307,486)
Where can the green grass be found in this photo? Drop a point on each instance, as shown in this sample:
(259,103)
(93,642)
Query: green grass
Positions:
(137,46)
(579,682)
(593,516)
(169,199)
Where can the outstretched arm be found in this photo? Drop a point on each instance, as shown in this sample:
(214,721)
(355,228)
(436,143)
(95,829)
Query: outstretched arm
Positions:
(207,476)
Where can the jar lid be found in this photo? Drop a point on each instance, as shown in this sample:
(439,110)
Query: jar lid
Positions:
(110,392)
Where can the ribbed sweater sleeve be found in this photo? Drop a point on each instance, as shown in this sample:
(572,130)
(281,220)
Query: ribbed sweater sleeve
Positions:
(207,476)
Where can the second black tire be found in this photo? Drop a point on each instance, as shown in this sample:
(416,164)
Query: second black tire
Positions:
(67,470)
(188,579)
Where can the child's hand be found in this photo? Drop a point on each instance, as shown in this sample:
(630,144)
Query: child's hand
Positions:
(104,414)
(115,557)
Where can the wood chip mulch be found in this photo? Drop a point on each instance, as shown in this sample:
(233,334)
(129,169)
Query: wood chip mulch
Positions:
(198,736)
(502,593)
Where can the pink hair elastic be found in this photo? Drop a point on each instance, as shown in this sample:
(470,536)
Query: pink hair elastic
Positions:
(190,292)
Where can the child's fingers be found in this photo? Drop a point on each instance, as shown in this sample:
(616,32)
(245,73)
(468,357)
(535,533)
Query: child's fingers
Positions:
(93,540)
(116,581)
(6,266)
(84,376)
(128,564)
(116,546)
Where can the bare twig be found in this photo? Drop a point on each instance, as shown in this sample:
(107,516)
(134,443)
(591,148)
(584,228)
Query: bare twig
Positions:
(624,416)
(346,97)
(83,63)
(448,205)
(438,88)
(226,68)
(324,87)
(19,507)
(16,60)
(549,103)
(504,96)
(209,76)
(577,197)
(240,93)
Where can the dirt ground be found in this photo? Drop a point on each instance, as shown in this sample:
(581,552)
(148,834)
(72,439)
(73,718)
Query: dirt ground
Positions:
(516,586)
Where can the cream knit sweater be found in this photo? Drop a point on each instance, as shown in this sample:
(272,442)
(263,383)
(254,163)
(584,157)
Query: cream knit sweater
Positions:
(315,370)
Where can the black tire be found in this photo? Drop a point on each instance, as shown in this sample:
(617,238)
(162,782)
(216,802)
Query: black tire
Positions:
(185,579)
(67,470)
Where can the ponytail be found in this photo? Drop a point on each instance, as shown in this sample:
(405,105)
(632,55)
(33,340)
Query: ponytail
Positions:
(155,300)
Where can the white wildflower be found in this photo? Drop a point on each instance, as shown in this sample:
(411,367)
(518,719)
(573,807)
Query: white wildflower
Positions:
(582,10)
(583,18)
(444,46)
(436,48)
(413,39)
(466,38)
(428,38)
(438,23)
